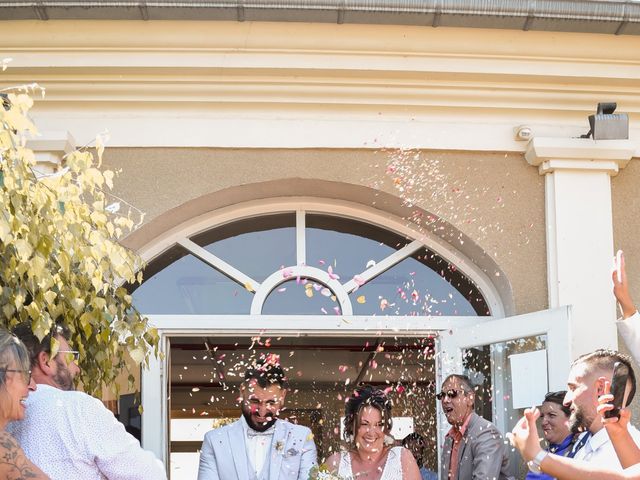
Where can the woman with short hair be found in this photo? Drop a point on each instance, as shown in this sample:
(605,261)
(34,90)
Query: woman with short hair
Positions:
(370,453)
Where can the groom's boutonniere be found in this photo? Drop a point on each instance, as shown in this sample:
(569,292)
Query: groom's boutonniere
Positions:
(279,446)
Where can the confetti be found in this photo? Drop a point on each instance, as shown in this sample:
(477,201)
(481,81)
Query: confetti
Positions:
(361,299)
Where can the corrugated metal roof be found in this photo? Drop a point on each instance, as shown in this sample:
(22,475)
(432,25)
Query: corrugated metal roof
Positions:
(601,16)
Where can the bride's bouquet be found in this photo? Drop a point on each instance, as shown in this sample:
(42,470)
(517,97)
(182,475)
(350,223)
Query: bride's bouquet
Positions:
(322,472)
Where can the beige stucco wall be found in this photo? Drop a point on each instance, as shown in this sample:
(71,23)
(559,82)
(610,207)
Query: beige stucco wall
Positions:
(493,201)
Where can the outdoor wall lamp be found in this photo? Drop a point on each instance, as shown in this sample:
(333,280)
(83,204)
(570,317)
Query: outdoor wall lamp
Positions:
(606,125)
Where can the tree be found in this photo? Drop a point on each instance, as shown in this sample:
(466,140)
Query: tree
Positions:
(60,259)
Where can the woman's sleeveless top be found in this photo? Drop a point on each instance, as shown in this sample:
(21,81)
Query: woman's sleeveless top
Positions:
(392,467)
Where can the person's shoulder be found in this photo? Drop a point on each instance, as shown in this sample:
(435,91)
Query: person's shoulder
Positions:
(295,428)
(333,462)
(483,430)
(219,431)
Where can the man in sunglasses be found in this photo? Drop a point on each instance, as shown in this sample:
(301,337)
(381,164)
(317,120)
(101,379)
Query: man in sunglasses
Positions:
(473,448)
(69,434)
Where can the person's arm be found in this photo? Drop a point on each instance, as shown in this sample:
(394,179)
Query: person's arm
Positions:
(525,438)
(333,463)
(621,290)
(13,462)
(116,453)
(309,456)
(410,470)
(488,454)
(208,468)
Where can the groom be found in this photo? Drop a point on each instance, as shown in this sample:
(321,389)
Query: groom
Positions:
(259,446)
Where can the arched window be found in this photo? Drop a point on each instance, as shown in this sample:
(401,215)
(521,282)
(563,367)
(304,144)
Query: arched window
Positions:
(305,263)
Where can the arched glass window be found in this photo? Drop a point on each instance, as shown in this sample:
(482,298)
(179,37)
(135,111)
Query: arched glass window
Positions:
(305,263)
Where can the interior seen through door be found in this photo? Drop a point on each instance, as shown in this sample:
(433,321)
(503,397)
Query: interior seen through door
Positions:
(322,372)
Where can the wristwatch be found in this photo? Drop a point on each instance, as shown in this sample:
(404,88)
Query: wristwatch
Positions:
(534,465)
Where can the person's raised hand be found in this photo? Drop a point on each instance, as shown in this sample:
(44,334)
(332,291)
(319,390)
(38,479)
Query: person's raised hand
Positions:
(614,425)
(524,435)
(621,286)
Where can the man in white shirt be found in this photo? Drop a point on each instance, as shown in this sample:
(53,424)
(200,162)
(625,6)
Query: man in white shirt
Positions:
(71,435)
(585,384)
(259,446)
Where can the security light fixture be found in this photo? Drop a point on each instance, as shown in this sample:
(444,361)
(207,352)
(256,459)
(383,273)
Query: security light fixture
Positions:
(606,125)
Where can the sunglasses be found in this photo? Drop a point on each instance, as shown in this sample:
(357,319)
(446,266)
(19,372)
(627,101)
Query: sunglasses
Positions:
(449,393)
(25,373)
(71,353)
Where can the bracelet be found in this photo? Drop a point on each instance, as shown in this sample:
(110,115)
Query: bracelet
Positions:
(534,464)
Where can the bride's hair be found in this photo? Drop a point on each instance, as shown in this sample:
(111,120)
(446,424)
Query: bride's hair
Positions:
(366,396)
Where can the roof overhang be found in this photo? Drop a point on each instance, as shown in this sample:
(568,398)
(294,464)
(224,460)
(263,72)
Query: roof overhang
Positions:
(592,16)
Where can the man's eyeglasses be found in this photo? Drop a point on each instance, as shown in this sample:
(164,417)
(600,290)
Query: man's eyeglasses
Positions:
(71,354)
(449,393)
(25,373)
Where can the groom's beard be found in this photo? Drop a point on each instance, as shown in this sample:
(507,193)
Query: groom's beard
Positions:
(258,426)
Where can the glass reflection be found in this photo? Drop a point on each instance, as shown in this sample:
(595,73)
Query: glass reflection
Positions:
(179,283)
(413,288)
(255,246)
(304,297)
(347,245)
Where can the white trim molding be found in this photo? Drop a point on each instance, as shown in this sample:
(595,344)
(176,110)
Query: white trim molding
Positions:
(50,148)
(579,231)
(551,154)
(305,85)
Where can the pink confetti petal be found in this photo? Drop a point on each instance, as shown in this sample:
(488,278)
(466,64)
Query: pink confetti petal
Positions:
(343,368)
(358,280)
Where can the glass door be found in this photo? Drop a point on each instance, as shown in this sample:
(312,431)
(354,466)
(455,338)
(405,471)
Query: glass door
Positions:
(513,362)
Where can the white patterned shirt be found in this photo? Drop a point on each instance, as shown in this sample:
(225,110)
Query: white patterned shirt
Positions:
(73,436)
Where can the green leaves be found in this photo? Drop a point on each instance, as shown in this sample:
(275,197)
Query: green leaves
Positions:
(60,256)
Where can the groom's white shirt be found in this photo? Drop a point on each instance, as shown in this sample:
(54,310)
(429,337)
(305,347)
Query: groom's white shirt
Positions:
(226,454)
(258,446)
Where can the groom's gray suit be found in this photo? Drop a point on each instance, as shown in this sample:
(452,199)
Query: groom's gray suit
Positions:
(224,454)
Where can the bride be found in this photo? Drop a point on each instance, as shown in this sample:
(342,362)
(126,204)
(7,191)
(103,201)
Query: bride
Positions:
(369,456)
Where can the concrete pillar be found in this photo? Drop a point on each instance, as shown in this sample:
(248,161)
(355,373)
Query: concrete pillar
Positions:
(580,232)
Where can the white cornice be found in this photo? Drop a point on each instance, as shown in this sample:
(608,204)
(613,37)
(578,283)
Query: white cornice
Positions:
(551,154)
(319,85)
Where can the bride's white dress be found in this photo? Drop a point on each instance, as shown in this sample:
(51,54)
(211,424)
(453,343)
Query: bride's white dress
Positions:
(392,467)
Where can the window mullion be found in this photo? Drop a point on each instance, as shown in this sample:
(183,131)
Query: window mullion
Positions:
(383,265)
(220,265)
(301,238)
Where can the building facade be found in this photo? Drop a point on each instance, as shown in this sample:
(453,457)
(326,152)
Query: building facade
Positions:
(358,158)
